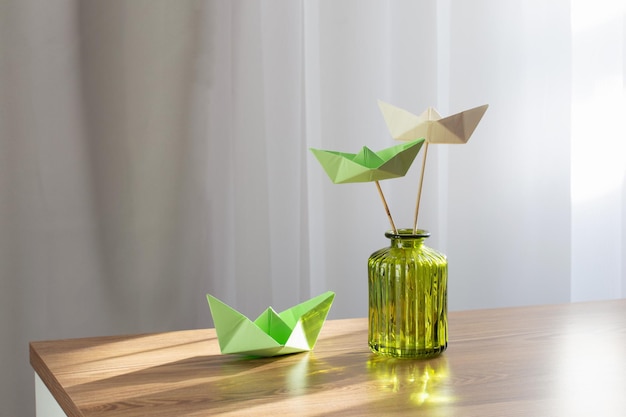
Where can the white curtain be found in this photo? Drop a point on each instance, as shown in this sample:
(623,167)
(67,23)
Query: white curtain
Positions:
(154,151)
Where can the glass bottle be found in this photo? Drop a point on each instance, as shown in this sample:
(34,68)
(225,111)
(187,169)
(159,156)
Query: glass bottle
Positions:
(408,297)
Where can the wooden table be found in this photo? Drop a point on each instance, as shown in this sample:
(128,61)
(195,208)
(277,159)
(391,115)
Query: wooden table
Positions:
(560,360)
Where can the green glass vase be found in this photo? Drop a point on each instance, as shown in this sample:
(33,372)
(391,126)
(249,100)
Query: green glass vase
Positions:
(408,297)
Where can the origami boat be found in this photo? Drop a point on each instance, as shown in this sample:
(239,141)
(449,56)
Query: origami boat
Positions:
(367,165)
(454,129)
(271,334)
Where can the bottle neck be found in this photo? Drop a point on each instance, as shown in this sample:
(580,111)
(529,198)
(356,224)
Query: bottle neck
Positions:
(407,238)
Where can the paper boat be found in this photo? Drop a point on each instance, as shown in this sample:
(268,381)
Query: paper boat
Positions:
(368,165)
(454,129)
(271,334)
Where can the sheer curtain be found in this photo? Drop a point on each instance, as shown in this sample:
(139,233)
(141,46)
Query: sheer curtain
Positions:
(154,151)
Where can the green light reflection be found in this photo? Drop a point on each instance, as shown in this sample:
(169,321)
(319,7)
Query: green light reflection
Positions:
(420,382)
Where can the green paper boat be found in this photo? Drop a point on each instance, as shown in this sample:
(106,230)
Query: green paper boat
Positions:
(271,334)
(368,165)
(454,129)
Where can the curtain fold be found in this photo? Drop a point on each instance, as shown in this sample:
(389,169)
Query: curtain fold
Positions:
(155,151)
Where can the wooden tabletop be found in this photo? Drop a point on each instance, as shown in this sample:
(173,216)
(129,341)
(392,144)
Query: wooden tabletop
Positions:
(561,360)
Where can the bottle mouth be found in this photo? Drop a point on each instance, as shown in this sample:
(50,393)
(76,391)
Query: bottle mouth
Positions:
(407,234)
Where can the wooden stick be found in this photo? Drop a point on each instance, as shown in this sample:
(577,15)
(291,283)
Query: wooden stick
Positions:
(419,192)
(382,197)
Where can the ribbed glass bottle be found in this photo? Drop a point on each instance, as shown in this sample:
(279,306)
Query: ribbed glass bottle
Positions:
(408,297)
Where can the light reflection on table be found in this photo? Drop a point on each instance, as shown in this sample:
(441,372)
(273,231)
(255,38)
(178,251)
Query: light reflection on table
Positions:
(422,381)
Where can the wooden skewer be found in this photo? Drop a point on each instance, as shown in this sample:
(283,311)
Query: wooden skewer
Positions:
(382,197)
(419,192)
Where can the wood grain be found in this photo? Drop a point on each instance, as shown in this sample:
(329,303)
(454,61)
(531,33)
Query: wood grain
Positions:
(561,360)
